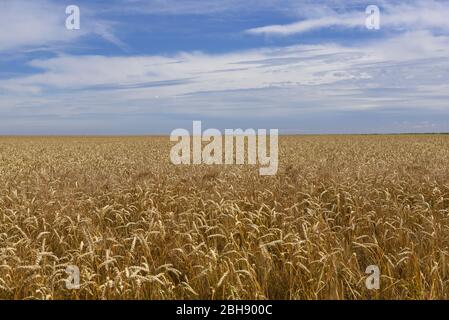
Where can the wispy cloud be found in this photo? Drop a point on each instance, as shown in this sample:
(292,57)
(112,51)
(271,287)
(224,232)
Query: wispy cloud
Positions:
(347,21)
(26,25)
(29,24)
(400,77)
(413,16)
(398,73)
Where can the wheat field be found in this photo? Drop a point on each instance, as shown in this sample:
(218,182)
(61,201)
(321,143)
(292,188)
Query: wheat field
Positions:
(138,227)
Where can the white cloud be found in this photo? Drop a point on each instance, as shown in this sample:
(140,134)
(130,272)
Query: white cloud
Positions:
(407,72)
(421,15)
(400,73)
(348,21)
(194,71)
(28,25)
(25,24)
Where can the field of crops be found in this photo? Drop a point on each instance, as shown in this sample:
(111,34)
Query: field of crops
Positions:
(139,227)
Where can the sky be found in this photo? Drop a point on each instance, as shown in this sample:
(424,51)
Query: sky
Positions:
(148,67)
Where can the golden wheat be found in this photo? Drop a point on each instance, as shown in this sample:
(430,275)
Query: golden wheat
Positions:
(138,227)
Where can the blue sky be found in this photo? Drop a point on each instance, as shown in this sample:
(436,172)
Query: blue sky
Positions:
(148,67)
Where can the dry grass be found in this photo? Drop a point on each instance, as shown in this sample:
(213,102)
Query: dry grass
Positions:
(139,227)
